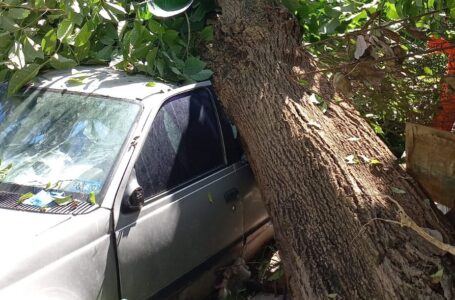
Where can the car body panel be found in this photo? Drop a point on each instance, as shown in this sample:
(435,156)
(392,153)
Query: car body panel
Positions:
(174,234)
(183,228)
(56,253)
(103,82)
(74,257)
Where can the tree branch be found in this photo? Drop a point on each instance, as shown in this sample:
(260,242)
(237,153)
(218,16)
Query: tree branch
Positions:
(362,30)
(378,60)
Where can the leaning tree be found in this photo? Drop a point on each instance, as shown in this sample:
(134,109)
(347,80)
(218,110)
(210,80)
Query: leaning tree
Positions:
(347,226)
(349,222)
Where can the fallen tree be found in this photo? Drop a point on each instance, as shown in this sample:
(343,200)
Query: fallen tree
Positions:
(342,208)
(349,221)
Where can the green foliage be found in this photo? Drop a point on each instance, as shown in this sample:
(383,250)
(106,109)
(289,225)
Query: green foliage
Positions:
(4,170)
(59,34)
(92,198)
(320,19)
(24,197)
(369,51)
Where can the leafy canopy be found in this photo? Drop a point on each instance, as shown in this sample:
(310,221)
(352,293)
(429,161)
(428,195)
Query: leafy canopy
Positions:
(376,54)
(373,50)
(41,34)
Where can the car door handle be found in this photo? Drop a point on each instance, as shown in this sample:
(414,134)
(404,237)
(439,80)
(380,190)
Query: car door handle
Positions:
(231,195)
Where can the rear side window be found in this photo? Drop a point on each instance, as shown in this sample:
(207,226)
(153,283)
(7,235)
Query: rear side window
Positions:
(183,143)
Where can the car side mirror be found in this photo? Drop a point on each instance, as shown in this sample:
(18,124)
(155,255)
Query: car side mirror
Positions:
(133,199)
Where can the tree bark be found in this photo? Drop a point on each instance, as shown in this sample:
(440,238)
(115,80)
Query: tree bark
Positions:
(328,214)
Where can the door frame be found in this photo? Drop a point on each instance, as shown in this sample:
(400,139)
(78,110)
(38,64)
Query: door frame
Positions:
(152,104)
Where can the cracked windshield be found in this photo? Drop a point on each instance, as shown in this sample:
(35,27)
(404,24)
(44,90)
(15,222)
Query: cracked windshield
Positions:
(66,140)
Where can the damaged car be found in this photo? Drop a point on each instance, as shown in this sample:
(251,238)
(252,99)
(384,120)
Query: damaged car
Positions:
(116,186)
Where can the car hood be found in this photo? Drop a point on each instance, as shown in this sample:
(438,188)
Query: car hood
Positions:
(30,241)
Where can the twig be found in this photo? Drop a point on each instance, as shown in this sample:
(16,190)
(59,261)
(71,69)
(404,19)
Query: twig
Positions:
(189,35)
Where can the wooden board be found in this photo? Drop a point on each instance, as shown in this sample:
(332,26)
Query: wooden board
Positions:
(430,159)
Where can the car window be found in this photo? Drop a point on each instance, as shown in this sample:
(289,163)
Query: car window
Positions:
(184,142)
(234,152)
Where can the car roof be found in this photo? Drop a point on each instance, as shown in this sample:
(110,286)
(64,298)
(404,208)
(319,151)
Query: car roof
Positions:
(102,81)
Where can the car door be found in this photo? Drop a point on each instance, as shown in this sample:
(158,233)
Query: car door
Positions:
(254,211)
(191,210)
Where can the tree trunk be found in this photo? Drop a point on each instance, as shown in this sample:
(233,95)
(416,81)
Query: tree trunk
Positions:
(329,215)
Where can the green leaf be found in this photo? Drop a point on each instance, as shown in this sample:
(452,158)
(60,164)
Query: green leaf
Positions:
(49,42)
(143,13)
(276,275)
(6,169)
(437,277)
(72,6)
(193,66)
(304,83)
(32,50)
(206,34)
(84,35)
(5,39)
(58,62)
(105,53)
(332,295)
(65,28)
(375,162)
(159,63)
(3,74)
(22,77)
(202,75)
(210,197)
(151,56)
(63,200)
(24,197)
(151,84)
(40,3)
(92,198)
(428,71)
(107,15)
(330,26)
(316,99)
(170,37)
(8,24)
(115,8)
(391,11)
(377,129)
(156,27)
(176,71)
(18,13)
(79,80)
(16,55)
(324,107)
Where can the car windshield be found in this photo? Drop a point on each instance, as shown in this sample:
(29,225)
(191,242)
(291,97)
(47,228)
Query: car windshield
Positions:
(62,139)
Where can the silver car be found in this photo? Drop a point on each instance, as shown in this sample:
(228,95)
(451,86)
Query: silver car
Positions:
(114,186)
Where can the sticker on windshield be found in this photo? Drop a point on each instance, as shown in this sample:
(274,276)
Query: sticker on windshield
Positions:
(84,186)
